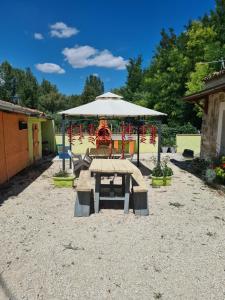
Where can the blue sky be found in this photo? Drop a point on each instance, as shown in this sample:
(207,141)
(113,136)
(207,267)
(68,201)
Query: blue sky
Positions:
(76,38)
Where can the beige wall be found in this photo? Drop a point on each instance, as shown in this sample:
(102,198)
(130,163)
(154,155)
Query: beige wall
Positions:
(209,147)
(183,141)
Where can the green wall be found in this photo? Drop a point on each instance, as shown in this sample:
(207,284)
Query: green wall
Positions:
(189,141)
(48,134)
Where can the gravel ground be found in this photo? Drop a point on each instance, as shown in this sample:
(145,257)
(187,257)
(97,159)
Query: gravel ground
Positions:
(178,252)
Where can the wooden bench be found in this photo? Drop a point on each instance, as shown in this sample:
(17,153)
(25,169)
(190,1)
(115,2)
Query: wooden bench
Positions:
(83,197)
(140,194)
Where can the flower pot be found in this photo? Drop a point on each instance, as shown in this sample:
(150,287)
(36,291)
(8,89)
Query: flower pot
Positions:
(157,181)
(64,181)
(173,149)
(167,180)
(164,149)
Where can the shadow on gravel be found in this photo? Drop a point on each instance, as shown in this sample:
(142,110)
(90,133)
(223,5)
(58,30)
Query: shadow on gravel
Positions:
(5,289)
(23,179)
(145,171)
(183,165)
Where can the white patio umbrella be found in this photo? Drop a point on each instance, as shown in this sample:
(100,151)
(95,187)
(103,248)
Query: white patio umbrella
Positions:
(109,105)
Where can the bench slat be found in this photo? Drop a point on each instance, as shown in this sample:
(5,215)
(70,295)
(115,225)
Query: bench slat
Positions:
(84,181)
(138,178)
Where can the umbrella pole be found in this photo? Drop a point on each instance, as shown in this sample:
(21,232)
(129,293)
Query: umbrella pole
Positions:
(159,141)
(71,134)
(138,145)
(63,142)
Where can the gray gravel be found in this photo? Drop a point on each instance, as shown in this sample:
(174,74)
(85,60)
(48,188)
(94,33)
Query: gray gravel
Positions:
(178,252)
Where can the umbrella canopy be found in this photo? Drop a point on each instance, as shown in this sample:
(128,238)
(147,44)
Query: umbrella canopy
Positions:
(111,105)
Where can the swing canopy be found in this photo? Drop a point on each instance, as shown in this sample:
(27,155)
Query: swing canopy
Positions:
(111,105)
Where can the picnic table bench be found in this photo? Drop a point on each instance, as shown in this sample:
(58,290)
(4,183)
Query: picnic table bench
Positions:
(83,197)
(140,193)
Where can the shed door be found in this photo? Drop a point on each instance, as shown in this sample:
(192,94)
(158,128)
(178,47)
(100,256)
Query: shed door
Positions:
(35,141)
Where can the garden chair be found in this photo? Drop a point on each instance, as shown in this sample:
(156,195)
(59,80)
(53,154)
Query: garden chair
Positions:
(79,163)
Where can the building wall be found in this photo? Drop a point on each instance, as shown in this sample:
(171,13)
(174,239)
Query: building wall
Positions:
(210,126)
(188,141)
(3,170)
(48,134)
(14,155)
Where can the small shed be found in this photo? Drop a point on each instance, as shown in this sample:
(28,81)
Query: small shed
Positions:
(212,101)
(21,138)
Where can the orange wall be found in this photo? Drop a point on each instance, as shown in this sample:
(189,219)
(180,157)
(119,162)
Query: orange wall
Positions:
(13,146)
(3,171)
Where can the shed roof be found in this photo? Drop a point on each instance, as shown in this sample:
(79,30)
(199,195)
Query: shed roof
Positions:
(111,105)
(204,93)
(11,107)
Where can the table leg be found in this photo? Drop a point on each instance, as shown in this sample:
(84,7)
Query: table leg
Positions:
(123,183)
(127,194)
(97,191)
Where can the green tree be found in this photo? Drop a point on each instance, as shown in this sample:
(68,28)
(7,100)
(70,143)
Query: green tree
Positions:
(93,87)
(27,88)
(134,78)
(6,87)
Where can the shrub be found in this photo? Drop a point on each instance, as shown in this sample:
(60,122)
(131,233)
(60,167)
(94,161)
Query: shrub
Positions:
(199,166)
(157,171)
(62,173)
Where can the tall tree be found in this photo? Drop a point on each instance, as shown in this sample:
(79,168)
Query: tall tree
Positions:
(93,87)
(134,78)
(28,89)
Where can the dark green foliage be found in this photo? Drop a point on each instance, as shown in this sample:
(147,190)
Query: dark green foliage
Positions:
(167,171)
(199,166)
(169,132)
(176,68)
(157,171)
(93,87)
(134,78)
(62,173)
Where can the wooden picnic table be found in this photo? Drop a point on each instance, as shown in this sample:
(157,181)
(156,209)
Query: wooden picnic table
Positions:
(114,167)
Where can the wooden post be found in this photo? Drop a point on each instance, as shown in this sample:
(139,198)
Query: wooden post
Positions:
(159,141)
(63,142)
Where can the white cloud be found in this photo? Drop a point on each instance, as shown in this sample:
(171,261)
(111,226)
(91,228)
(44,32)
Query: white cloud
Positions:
(61,30)
(95,74)
(86,56)
(38,36)
(50,68)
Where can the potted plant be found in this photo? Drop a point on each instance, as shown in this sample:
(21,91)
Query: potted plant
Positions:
(167,172)
(157,176)
(173,146)
(165,145)
(63,179)
(167,175)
